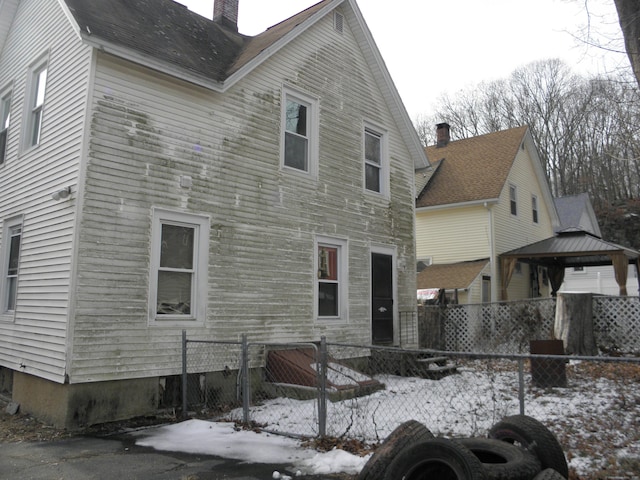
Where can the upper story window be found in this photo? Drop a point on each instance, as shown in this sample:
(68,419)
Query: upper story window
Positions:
(375,161)
(12,236)
(299,118)
(179,266)
(331,278)
(37,88)
(534,208)
(513,199)
(5,112)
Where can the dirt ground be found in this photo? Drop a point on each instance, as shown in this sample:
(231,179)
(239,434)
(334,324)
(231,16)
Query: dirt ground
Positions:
(22,427)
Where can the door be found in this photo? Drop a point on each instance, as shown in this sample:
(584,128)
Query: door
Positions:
(381,299)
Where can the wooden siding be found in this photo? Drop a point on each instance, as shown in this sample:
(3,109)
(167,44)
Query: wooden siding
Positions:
(513,231)
(35,340)
(147,130)
(453,234)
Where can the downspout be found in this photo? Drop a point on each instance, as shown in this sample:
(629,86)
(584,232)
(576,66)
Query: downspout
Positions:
(492,256)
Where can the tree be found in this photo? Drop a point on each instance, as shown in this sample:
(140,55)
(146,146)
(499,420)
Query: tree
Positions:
(629,19)
(585,128)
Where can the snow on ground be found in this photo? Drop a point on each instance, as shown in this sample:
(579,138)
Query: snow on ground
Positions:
(225,440)
(596,419)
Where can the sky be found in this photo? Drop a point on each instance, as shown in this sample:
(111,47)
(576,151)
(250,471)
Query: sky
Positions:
(437,47)
(581,412)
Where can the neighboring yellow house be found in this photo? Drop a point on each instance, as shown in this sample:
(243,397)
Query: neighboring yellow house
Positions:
(482,196)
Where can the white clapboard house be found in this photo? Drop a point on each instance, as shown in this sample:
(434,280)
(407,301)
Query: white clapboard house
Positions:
(161,172)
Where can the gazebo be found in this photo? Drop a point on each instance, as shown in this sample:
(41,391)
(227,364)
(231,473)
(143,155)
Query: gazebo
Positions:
(570,248)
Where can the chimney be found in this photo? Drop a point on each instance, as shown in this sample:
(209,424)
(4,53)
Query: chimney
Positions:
(442,135)
(225,12)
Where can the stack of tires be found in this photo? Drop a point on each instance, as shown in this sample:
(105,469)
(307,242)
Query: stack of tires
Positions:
(518,447)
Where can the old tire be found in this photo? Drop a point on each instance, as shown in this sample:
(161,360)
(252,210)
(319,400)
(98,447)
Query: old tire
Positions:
(501,460)
(404,435)
(437,458)
(548,474)
(535,437)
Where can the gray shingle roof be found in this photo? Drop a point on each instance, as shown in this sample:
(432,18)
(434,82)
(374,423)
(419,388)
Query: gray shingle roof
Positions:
(168,32)
(162,29)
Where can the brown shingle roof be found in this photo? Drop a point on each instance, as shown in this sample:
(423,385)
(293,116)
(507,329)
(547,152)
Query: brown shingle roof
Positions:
(450,276)
(471,169)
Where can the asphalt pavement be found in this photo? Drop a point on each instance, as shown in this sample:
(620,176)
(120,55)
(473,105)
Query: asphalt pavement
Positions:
(118,458)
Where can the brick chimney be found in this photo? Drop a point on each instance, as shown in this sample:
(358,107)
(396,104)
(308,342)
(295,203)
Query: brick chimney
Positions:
(442,134)
(225,12)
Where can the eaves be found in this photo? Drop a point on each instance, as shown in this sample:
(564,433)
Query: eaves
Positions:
(489,202)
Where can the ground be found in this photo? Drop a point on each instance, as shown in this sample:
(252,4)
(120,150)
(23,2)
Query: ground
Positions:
(21,427)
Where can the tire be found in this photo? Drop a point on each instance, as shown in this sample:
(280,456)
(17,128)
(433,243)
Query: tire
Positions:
(437,458)
(535,437)
(406,434)
(501,460)
(548,474)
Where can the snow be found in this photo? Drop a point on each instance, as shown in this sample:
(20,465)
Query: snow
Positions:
(224,439)
(465,404)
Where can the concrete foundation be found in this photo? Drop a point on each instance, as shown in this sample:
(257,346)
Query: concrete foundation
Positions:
(74,406)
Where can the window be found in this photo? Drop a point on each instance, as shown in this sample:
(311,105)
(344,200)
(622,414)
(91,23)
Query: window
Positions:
(38,86)
(12,235)
(5,110)
(534,208)
(179,266)
(300,132)
(513,199)
(375,167)
(331,278)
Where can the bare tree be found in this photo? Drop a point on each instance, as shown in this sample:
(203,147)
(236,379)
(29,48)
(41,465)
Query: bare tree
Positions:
(585,129)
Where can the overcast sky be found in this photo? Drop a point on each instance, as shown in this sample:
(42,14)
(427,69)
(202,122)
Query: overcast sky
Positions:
(432,47)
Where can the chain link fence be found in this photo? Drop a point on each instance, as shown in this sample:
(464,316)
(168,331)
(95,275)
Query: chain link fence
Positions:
(362,393)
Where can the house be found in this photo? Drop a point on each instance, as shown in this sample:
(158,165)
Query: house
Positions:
(480,197)
(576,212)
(161,173)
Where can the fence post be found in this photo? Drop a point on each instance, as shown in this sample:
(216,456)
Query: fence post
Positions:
(521,385)
(184,374)
(246,394)
(322,400)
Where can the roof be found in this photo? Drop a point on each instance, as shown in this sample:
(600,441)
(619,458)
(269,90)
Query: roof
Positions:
(462,174)
(571,248)
(451,276)
(574,211)
(161,29)
(166,36)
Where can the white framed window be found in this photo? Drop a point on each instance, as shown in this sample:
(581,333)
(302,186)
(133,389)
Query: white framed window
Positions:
(513,199)
(534,208)
(5,118)
(179,266)
(11,242)
(300,132)
(375,161)
(37,85)
(331,278)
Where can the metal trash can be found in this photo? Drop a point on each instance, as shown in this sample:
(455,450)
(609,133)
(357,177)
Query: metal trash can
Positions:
(548,372)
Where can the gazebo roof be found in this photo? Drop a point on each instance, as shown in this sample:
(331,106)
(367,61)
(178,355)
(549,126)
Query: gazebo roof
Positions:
(571,248)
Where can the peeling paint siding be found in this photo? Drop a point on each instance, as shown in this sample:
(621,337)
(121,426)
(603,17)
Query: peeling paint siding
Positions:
(147,130)
(37,337)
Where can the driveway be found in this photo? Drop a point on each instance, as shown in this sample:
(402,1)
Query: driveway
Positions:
(118,458)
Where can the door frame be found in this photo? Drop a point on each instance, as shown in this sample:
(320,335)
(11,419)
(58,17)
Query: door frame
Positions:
(392,252)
